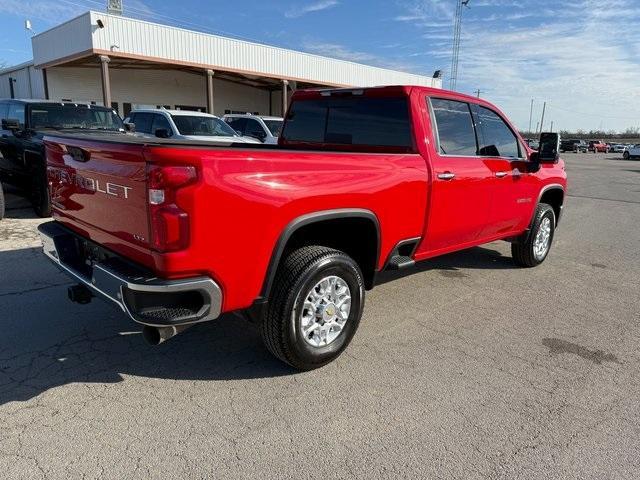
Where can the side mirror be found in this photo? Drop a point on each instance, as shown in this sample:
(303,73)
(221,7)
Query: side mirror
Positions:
(12,124)
(129,127)
(549,148)
(161,133)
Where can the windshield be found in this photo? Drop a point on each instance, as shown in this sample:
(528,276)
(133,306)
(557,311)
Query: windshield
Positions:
(274,126)
(203,126)
(74,116)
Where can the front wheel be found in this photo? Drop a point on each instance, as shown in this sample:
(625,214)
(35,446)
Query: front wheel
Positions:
(314,308)
(533,247)
(625,155)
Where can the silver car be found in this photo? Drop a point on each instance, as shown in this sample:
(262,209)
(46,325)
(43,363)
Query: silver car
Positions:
(184,125)
(263,128)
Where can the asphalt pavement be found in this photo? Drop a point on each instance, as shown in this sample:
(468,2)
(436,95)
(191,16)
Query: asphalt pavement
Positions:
(468,368)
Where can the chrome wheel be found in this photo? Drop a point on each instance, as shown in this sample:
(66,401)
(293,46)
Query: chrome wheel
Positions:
(325,311)
(543,239)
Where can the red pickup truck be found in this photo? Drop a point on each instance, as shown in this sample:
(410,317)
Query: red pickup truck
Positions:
(362,181)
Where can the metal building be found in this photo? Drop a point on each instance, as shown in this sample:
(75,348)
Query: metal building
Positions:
(128,63)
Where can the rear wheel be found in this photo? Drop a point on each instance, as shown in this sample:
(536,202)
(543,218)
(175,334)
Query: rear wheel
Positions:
(533,247)
(1,202)
(314,308)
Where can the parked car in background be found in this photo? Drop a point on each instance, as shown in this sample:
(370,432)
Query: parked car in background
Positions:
(184,125)
(617,148)
(265,129)
(26,122)
(294,236)
(632,152)
(598,146)
(581,147)
(533,144)
(569,145)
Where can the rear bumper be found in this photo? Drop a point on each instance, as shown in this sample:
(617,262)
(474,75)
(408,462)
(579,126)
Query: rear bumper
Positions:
(145,298)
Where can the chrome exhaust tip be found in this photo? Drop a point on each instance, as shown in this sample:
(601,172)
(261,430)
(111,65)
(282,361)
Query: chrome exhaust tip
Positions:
(158,335)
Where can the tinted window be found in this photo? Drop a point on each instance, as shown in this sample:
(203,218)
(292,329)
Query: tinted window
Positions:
(202,126)
(4,109)
(454,125)
(379,122)
(142,122)
(238,124)
(254,129)
(496,139)
(274,126)
(161,122)
(52,115)
(16,112)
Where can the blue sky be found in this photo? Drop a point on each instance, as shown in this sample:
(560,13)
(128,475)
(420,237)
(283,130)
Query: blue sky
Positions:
(581,56)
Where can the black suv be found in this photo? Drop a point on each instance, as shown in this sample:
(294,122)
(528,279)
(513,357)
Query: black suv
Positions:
(24,125)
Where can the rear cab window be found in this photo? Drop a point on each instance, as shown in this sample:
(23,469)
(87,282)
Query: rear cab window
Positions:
(343,121)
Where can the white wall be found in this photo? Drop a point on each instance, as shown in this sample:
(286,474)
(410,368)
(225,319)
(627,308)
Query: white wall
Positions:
(154,87)
(29,83)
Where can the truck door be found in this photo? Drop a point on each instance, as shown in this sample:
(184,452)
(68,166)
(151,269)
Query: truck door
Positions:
(513,188)
(460,195)
(13,150)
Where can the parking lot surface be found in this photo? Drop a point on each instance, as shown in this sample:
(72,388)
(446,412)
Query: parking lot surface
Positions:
(468,368)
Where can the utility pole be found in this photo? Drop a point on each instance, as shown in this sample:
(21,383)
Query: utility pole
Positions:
(551,126)
(544,107)
(457,26)
(478,92)
(530,115)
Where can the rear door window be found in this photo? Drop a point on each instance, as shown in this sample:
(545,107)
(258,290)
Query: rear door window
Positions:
(254,129)
(238,124)
(454,126)
(143,122)
(495,137)
(356,120)
(161,122)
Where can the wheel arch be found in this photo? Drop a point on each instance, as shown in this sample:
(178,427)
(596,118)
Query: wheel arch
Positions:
(306,230)
(553,195)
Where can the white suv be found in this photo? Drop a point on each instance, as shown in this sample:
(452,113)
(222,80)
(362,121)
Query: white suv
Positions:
(184,125)
(265,129)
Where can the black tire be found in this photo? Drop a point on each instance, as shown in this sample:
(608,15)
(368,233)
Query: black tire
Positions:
(296,276)
(1,202)
(40,195)
(522,250)
(626,155)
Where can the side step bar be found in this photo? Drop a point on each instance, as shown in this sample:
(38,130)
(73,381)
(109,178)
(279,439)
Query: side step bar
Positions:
(401,256)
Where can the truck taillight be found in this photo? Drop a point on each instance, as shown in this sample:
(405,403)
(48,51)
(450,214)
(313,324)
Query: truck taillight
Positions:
(169,223)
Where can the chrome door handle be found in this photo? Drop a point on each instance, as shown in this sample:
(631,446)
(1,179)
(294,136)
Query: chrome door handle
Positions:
(446,176)
(501,174)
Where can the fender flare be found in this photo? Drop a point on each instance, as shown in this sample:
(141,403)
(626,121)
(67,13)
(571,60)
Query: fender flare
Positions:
(302,221)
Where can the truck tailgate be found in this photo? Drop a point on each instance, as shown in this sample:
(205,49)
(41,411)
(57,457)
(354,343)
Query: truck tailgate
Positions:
(100,187)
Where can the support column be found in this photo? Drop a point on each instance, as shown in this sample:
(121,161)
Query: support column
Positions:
(210,104)
(106,83)
(285,100)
